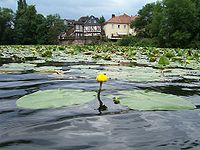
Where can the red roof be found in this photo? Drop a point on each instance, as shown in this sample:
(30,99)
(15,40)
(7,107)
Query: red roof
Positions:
(122,19)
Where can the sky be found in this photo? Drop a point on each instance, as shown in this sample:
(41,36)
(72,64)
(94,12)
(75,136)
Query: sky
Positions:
(74,9)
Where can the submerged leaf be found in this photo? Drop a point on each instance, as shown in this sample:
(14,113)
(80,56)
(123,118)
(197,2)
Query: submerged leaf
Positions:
(147,100)
(55,98)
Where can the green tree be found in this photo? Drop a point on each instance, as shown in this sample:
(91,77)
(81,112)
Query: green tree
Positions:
(172,23)
(143,20)
(25,23)
(42,30)
(179,23)
(102,19)
(21,5)
(6,26)
(196,41)
(154,25)
(55,26)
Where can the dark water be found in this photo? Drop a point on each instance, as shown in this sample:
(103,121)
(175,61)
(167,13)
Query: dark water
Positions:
(81,128)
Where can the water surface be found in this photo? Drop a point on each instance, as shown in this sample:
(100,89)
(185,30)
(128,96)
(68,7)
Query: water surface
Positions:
(81,127)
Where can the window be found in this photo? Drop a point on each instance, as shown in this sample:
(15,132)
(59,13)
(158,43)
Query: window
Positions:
(98,28)
(95,21)
(124,26)
(113,26)
(118,26)
(77,27)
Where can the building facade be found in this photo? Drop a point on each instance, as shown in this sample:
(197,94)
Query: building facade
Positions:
(119,26)
(83,28)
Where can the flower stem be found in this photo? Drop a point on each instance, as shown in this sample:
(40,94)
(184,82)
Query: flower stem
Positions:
(102,107)
(99,93)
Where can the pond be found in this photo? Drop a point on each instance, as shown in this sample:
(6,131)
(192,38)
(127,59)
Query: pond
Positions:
(81,126)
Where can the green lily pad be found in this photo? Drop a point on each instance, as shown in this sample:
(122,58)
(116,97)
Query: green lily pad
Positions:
(55,98)
(163,61)
(37,61)
(134,74)
(190,77)
(17,67)
(48,69)
(106,62)
(148,100)
(70,58)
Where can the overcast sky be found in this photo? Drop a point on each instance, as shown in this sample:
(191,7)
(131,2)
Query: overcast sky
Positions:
(73,9)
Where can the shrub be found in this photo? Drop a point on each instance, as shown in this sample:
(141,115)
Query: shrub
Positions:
(194,44)
(135,41)
(146,42)
(128,40)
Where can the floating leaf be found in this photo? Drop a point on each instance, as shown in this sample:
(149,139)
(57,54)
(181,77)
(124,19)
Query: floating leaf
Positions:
(190,77)
(135,74)
(37,61)
(48,69)
(147,100)
(55,98)
(116,100)
(163,61)
(47,53)
(17,67)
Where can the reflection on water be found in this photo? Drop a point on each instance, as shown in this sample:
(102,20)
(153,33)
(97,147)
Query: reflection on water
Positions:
(80,127)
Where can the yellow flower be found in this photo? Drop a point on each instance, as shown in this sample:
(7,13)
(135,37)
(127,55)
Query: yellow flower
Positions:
(102,78)
(187,61)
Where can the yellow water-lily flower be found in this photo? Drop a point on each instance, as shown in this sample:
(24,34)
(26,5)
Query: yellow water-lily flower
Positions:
(102,78)
(187,61)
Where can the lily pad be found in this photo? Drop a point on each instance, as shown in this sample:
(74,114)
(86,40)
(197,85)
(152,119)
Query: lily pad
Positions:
(55,98)
(48,69)
(134,74)
(17,67)
(148,100)
(190,77)
(163,61)
(37,61)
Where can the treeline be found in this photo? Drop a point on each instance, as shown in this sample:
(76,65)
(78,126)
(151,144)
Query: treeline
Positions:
(167,23)
(26,26)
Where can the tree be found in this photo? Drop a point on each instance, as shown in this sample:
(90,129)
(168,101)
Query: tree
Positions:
(154,25)
(25,23)
(179,24)
(196,41)
(6,25)
(33,28)
(55,26)
(21,5)
(172,23)
(42,30)
(143,20)
(102,19)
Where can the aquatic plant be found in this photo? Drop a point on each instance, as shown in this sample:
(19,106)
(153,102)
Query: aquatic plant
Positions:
(163,62)
(55,98)
(101,78)
(150,100)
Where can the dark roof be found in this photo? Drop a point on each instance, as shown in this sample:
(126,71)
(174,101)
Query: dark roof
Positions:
(82,20)
(69,20)
(85,20)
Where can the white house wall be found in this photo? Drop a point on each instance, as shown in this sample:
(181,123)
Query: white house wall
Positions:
(117,29)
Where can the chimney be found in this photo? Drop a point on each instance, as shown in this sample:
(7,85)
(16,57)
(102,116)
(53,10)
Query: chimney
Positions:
(113,15)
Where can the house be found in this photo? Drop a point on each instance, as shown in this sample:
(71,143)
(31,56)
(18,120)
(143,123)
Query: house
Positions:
(88,26)
(119,26)
(85,27)
(69,23)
